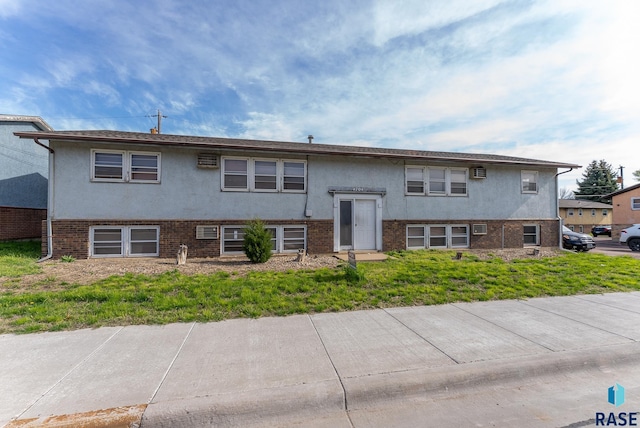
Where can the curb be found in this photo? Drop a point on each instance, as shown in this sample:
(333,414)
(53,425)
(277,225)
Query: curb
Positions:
(300,402)
(373,390)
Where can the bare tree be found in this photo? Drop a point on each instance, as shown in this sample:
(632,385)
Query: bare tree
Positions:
(565,193)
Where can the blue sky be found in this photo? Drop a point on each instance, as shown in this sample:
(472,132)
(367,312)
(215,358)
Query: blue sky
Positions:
(556,80)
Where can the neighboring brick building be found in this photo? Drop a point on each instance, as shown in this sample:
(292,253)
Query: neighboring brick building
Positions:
(23,179)
(626,209)
(123,194)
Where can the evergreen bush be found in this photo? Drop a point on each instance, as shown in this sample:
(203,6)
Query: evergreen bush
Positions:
(257,242)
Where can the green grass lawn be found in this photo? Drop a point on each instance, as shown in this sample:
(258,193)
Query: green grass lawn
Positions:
(407,278)
(19,258)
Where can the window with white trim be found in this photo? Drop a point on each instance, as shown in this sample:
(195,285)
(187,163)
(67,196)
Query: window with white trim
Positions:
(529,181)
(144,167)
(235,174)
(294,176)
(593,212)
(569,212)
(415,237)
(124,241)
(435,181)
(263,175)
(437,236)
(605,212)
(421,236)
(531,234)
(414,180)
(285,239)
(635,204)
(579,212)
(125,166)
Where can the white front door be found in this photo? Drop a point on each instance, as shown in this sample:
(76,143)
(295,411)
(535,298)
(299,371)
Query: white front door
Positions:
(364,227)
(358,224)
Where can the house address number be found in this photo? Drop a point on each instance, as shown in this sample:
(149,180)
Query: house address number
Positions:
(358,189)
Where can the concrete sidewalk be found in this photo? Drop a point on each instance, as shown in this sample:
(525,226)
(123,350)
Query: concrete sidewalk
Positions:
(313,370)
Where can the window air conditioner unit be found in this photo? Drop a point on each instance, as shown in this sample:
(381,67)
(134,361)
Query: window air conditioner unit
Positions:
(206,232)
(207,160)
(479,172)
(479,229)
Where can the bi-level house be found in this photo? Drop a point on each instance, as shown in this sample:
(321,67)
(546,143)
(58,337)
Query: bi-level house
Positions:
(124,194)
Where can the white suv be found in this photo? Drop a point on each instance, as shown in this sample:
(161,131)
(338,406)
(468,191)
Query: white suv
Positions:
(631,237)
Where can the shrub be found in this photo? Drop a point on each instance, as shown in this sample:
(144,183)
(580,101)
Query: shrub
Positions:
(257,242)
(67,259)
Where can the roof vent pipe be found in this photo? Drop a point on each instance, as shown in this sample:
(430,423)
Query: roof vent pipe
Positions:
(310,137)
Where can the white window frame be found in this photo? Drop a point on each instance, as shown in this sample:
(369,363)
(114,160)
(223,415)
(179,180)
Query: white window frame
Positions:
(537,235)
(450,181)
(635,204)
(238,236)
(605,212)
(224,174)
(525,177)
(251,175)
(570,212)
(436,180)
(123,166)
(278,240)
(125,242)
(593,212)
(127,162)
(426,236)
(304,175)
(129,174)
(427,179)
(423,237)
(92,231)
(422,180)
(579,212)
(458,235)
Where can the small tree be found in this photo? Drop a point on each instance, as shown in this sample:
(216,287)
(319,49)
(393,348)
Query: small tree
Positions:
(636,175)
(257,242)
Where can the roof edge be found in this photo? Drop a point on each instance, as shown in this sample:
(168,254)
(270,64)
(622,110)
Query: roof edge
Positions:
(279,146)
(37,120)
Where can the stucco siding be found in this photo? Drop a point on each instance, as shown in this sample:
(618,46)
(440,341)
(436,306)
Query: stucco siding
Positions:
(188,192)
(23,168)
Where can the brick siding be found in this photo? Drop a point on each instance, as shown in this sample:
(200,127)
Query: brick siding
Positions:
(21,223)
(394,233)
(71,237)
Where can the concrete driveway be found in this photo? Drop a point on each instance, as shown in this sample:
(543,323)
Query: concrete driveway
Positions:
(611,247)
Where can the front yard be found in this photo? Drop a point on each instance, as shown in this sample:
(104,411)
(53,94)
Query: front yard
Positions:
(59,295)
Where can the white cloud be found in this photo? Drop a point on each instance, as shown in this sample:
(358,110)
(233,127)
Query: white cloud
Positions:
(10,8)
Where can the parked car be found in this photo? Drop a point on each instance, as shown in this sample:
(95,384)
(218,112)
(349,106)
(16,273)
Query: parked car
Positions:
(631,237)
(601,230)
(576,241)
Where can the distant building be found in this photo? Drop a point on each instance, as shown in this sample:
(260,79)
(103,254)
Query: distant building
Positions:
(581,215)
(23,178)
(626,208)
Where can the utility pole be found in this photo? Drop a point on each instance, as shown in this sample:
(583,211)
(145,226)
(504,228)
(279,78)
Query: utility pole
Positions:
(160,116)
(621,178)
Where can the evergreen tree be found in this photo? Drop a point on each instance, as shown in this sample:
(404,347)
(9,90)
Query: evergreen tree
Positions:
(599,179)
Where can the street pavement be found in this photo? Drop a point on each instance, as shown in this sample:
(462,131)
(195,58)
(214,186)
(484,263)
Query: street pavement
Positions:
(543,362)
(613,247)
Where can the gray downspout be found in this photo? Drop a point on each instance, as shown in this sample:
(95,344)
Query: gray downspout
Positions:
(560,223)
(49,202)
